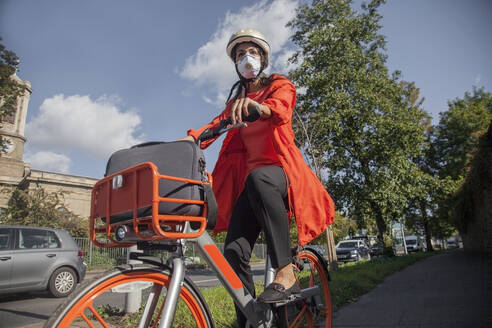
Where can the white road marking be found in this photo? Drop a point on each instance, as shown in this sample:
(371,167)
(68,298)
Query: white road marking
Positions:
(208,280)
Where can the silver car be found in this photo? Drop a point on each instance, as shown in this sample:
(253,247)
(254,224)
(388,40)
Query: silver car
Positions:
(34,259)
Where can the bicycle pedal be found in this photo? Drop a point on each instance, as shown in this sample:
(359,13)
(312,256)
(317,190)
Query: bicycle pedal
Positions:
(290,299)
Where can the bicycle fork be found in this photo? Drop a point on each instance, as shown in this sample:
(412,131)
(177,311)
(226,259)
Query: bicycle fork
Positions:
(171,300)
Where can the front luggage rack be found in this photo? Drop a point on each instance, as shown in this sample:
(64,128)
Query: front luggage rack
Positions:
(130,190)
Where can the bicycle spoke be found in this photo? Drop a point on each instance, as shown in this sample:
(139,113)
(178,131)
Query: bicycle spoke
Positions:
(98,317)
(298,318)
(87,321)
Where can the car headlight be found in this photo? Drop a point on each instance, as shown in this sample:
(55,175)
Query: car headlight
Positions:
(353,251)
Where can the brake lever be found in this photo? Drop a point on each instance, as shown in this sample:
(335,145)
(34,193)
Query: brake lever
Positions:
(236,126)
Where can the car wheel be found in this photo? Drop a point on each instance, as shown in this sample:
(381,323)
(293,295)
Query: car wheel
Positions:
(62,282)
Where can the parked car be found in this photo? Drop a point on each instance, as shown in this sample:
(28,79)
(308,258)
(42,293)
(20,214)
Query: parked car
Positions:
(376,250)
(34,259)
(352,250)
(452,243)
(415,244)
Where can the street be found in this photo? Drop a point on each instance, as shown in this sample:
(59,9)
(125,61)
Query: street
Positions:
(32,310)
(451,289)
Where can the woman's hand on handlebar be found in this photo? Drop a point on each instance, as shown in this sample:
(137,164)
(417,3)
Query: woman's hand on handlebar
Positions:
(253,112)
(241,105)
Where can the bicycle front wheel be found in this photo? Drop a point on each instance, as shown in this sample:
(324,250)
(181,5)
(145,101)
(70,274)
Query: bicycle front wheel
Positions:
(310,271)
(100,302)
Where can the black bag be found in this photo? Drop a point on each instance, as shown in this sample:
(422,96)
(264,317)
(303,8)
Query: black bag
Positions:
(182,159)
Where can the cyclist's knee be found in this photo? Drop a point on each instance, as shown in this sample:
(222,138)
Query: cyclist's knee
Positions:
(236,253)
(258,181)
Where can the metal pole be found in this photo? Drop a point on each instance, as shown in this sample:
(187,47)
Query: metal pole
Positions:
(133,299)
(90,252)
(332,254)
(402,229)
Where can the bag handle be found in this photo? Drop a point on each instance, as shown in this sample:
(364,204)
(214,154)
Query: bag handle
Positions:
(212,207)
(149,143)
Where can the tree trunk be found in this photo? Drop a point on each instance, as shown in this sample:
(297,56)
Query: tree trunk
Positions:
(428,237)
(381,227)
(427,229)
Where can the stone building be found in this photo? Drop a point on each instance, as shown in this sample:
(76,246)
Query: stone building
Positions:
(15,172)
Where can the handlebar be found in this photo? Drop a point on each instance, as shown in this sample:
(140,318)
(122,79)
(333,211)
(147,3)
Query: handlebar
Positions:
(226,125)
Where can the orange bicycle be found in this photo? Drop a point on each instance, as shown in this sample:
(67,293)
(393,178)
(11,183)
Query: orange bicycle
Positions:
(170,298)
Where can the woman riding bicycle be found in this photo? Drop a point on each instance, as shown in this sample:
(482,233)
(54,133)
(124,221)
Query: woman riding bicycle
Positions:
(260,178)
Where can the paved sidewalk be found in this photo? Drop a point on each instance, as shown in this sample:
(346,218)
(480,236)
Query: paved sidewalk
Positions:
(452,289)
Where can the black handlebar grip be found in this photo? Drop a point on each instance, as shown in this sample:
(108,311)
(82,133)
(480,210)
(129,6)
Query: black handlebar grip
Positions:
(205,135)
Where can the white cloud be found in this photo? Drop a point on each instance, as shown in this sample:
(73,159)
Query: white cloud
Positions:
(49,161)
(282,61)
(78,123)
(210,65)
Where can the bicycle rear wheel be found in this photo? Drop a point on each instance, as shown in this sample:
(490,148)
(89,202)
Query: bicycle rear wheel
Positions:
(310,271)
(100,302)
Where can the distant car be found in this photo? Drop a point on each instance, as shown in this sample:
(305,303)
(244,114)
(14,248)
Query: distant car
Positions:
(376,250)
(415,244)
(35,259)
(352,250)
(452,243)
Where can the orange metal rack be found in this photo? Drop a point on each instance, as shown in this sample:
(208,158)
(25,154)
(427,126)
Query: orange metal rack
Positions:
(140,188)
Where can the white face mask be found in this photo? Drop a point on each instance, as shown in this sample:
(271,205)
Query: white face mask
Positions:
(249,66)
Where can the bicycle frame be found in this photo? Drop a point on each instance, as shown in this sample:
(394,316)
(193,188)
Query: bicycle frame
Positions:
(257,314)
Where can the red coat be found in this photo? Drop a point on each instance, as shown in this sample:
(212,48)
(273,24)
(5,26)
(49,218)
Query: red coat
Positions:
(310,203)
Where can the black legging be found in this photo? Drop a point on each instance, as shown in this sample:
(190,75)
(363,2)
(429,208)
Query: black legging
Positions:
(261,206)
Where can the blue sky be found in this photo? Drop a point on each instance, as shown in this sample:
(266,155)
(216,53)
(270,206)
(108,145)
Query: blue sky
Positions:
(109,74)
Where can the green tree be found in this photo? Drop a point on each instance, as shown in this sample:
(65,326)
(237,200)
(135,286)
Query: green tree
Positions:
(9,88)
(459,130)
(42,209)
(472,209)
(342,227)
(364,127)
(457,139)
(422,211)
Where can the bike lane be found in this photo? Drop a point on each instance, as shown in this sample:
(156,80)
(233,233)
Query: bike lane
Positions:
(451,289)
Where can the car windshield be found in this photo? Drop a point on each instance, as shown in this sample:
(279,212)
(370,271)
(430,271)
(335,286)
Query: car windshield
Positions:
(348,244)
(411,242)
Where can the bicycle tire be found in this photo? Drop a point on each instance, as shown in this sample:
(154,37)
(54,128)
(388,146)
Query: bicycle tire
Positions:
(310,270)
(79,309)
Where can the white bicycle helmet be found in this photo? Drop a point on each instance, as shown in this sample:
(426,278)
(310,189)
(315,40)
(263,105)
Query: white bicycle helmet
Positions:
(248,35)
